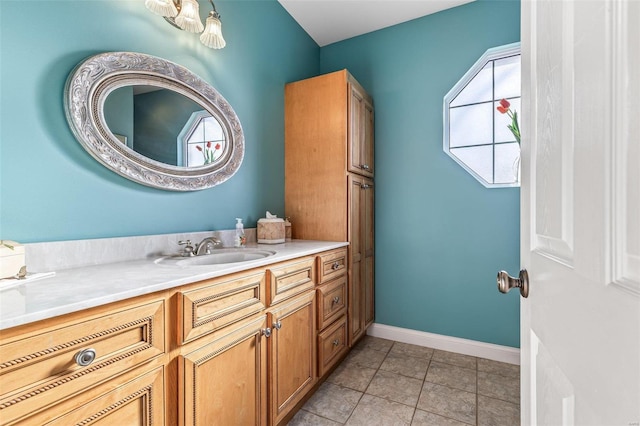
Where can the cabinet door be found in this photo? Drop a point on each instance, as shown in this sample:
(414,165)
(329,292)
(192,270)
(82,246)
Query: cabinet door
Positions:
(356,258)
(368,252)
(224,382)
(126,401)
(360,131)
(292,353)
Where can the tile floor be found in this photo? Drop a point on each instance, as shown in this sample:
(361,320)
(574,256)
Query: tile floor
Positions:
(388,383)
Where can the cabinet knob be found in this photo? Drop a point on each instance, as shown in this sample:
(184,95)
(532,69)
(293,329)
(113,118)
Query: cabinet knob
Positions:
(85,357)
(336,342)
(336,300)
(365,167)
(277,325)
(366,186)
(336,265)
(266,332)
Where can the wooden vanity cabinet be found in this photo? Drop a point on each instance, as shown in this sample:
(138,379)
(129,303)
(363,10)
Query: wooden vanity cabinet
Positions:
(240,349)
(329,169)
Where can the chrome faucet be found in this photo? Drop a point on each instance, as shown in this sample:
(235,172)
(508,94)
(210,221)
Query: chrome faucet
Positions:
(207,245)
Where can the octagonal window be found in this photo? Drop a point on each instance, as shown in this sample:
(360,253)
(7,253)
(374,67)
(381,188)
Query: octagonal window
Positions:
(476,134)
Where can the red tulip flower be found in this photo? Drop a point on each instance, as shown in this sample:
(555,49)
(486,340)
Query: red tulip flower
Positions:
(505,108)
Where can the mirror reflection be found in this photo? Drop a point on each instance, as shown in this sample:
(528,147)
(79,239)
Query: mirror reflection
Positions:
(164,126)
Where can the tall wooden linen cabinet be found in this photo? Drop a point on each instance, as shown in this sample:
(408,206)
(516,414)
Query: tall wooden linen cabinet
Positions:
(329,168)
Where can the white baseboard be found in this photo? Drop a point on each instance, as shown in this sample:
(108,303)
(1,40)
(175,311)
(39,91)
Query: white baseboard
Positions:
(446,343)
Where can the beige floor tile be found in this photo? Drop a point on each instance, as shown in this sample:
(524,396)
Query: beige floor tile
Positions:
(333,402)
(305,418)
(412,350)
(374,411)
(395,387)
(448,402)
(452,376)
(365,357)
(496,367)
(374,343)
(406,365)
(452,358)
(493,412)
(352,376)
(422,418)
(499,387)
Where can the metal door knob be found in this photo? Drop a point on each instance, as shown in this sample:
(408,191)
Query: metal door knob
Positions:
(507,282)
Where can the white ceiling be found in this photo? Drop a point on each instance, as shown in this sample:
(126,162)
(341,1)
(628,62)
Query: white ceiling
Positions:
(329,21)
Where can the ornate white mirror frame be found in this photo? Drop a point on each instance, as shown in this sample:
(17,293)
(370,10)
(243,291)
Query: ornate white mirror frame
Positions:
(95,78)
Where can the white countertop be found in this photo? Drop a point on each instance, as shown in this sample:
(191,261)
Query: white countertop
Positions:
(75,289)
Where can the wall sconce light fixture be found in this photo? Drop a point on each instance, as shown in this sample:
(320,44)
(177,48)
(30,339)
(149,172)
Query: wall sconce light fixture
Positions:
(185,15)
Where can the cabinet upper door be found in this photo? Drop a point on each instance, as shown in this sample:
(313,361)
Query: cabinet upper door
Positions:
(360,131)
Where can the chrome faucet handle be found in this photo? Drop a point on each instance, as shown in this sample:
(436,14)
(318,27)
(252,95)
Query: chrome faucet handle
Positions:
(188,248)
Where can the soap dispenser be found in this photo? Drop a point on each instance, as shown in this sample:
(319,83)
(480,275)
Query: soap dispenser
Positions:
(240,240)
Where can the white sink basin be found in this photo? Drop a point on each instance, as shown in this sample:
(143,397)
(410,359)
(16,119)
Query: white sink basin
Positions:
(218,257)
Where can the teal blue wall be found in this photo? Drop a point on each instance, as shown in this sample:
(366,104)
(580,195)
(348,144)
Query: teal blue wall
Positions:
(51,189)
(441,236)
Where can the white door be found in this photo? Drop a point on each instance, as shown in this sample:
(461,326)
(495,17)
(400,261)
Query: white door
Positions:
(580,235)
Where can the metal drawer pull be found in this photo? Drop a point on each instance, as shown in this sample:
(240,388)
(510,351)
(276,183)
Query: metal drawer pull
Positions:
(365,167)
(85,357)
(266,332)
(336,342)
(336,300)
(335,265)
(277,325)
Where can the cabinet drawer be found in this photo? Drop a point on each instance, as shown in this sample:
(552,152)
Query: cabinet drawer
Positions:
(214,306)
(331,265)
(332,301)
(39,370)
(332,344)
(292,278)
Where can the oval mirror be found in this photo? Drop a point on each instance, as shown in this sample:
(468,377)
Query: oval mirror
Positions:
(153,121)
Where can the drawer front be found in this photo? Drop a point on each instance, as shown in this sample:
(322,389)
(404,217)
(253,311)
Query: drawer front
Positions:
(212,307)
(331,265)
(39,370)
(290,279)
(332,345)
(332,301)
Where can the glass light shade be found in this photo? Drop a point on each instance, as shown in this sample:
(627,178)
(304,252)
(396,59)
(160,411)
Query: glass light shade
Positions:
(162,7)
(212,35)
(189,17)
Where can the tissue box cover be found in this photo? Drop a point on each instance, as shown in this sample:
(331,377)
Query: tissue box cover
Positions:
(11,260)
(270,231)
